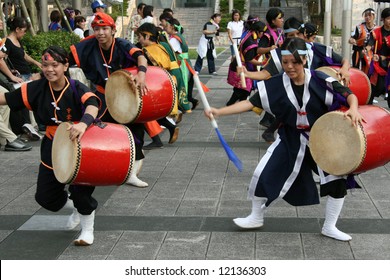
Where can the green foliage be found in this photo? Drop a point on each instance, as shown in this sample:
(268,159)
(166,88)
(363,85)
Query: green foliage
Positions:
(227,15)
(193,54)
(117,9)
(34,45)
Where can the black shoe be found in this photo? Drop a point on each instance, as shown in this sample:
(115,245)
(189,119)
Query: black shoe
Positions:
(32,134)
(153,145)
(265,122)
(195,104)
(173,135)
(17,146)
(268,136)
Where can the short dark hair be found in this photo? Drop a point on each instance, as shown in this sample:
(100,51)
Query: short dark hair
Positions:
(150,29)
(235,11)
(78,19)
(168,10)
(294,45)
(272,14)
(292,23)
(215,15)
(55,16)
(147,11)
(17,22)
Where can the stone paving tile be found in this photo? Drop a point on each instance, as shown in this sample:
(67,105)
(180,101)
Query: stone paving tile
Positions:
(184,246)
(318,247)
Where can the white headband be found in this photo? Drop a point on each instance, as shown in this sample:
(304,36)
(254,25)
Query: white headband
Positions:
(290,30)
(300,52)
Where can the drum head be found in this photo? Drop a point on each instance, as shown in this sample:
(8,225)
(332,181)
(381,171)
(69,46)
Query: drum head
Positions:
(122,97)
(336,145)
(65,155)
(329,71)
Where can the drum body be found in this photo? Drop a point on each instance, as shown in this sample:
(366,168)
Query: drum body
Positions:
(104,156)
(360,84)
(124,100)
(339,148)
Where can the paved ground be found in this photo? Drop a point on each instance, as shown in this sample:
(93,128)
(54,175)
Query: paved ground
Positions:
(186,212)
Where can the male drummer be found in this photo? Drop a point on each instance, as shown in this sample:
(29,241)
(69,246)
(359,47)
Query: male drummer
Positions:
(99,56)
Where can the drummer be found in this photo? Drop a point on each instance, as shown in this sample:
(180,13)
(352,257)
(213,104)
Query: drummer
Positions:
(99,56)
(54,101)
(296,99)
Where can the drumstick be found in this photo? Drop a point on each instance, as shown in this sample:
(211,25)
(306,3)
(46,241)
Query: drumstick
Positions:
(277,40)
(239,64)
(236,161)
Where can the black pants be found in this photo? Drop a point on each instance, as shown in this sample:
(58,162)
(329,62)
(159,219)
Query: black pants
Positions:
(51,194)
(238,94)
(17,119)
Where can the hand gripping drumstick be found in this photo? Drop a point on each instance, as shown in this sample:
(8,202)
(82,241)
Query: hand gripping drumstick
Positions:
(236,161)
(239,64)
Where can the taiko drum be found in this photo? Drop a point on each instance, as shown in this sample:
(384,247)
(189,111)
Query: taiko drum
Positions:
(104,156)
(359,83)
(125,102)
(339,148)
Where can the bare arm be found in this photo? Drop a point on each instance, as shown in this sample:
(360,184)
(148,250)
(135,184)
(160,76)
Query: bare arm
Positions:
(240,107)
(343,72)
(3,101)
(140,79)
(4,68)
(255,75)
(353,112)
(30,60)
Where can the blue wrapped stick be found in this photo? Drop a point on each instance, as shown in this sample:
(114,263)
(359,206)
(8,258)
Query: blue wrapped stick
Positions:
(231,155)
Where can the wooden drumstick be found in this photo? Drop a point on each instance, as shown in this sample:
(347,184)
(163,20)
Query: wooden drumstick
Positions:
(239,64)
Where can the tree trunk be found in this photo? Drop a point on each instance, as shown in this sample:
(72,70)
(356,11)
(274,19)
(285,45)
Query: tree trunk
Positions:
(32,11)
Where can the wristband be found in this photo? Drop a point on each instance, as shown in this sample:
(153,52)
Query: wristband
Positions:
(88,119)
(142,68)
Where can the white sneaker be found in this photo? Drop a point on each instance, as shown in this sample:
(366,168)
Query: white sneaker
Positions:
(375,101)
(32,134)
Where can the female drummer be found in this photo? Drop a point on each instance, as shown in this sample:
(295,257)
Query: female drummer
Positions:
(54,100)
(286,170)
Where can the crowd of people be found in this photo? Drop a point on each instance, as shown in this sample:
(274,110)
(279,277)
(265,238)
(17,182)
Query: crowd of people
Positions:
(279,59)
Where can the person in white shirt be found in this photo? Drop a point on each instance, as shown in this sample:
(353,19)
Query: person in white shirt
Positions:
(234,29)
(79,23)
(147,13)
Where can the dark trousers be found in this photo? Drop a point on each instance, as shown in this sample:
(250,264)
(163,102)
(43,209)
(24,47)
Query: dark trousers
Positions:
(51,194)
(210,62)
(17,119)
(238,94)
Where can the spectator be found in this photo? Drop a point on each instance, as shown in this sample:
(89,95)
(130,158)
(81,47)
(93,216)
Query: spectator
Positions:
(135,21)
(147,15)
(18,60)
(77,12)
(70,15)
(7,9)
(97,7)
(234,29)
(55,21)
(206,44)
(7,138)
(79,22)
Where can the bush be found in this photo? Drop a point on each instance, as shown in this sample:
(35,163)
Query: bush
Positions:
(227,15)
(34,45)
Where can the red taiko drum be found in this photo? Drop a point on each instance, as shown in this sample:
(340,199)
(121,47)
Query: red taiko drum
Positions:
(104,156)
(124,100)
(339,148)
(360,84)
